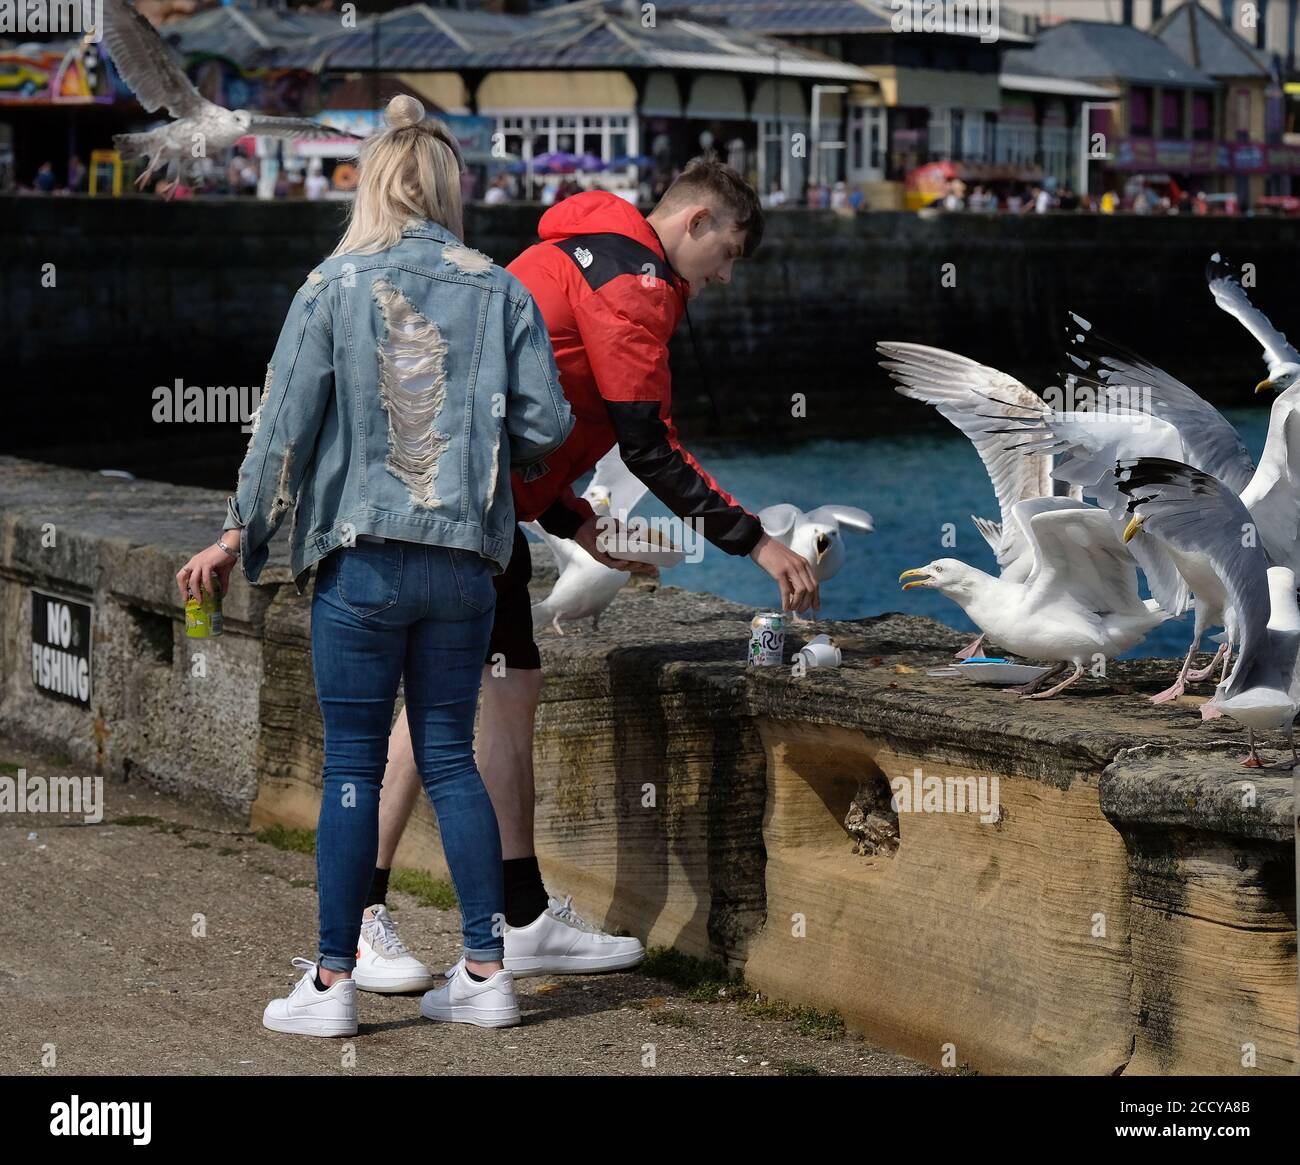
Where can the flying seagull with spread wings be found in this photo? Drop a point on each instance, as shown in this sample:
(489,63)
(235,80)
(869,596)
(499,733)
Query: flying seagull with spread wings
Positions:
(1282,360)
(200,128)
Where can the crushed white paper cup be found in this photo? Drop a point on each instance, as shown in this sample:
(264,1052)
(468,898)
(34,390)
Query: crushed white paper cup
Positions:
(820,654)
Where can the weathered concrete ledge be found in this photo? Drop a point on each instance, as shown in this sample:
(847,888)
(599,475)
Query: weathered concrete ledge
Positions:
(1128,908)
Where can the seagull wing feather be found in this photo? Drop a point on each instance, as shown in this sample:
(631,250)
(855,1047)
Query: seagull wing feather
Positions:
(624,487)
(561,548)
(1273,494)
(1132,382)
(1225,286)
(981,402)
(1077,552)
(850,516)
(294,127)
(145,63)
(777,521)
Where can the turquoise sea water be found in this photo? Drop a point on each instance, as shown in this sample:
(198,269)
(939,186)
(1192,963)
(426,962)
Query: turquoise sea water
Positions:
(911,485)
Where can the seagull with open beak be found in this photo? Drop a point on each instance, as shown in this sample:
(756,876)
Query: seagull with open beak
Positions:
(1078,604)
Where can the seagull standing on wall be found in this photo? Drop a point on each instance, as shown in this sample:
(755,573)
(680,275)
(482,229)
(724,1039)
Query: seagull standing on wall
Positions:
(143,61)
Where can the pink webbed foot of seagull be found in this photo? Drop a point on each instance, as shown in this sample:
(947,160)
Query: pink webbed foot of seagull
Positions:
(1170,693)
(971,649)
(1047,695)
(1209,711)
(1204,673)
(1179,685)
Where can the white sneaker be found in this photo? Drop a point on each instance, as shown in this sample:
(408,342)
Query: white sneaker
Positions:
(491,1003)
(384,964)
(561,942)
(308,1012)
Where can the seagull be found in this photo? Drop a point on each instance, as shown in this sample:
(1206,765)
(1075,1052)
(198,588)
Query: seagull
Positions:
(1282,360)
(815,535)
(1079,601)
(585,587)
(980,401)
(1197,514)
(144,62)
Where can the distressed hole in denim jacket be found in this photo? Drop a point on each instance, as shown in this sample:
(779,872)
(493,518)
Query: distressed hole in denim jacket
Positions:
(466,259)
(256,418)
(492,477)
(412,388)
(283,499)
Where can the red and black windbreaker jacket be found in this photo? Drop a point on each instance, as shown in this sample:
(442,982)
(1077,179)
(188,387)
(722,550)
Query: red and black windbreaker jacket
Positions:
(611,303)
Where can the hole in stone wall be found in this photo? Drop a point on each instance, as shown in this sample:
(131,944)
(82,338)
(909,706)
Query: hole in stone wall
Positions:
(828,794)
(871,820)
(153,635)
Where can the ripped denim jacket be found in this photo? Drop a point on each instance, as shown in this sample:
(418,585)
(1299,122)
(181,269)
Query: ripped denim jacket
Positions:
(404,387)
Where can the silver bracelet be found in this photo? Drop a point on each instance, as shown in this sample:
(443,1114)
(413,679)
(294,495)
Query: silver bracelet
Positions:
(233,553)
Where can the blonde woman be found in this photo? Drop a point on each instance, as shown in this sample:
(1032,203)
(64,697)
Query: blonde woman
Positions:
(410,376)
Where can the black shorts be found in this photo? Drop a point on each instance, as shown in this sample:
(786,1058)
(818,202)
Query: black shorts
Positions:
(512,625)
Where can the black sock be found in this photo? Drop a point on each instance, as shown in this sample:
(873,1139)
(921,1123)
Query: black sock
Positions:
(378,887)
(525,895)
(319,985)
(476,978)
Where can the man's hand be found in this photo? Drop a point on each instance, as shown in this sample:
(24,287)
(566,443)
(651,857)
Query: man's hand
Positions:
(586,538)
(792,574)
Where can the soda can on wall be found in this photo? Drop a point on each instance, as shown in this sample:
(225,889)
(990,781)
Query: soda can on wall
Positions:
(766,639)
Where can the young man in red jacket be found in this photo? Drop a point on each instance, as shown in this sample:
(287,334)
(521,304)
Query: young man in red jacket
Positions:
(612,286)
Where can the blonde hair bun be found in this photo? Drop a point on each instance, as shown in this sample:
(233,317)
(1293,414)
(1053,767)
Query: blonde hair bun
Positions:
(403,110)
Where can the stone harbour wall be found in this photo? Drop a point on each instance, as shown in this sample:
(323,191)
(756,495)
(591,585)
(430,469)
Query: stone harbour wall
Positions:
(1124,902)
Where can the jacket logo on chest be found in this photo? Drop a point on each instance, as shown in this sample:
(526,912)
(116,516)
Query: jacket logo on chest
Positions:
(583,256)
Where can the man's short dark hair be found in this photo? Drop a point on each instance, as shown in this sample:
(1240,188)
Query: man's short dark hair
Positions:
(706,179)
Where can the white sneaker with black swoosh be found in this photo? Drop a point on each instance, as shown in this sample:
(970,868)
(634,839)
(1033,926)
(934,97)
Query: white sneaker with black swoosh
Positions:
(308,1012)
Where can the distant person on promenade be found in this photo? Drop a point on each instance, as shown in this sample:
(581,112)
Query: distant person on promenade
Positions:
(78,176)
(45,180)
(409,370)
(498,192)
(613,286)
(315,186)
